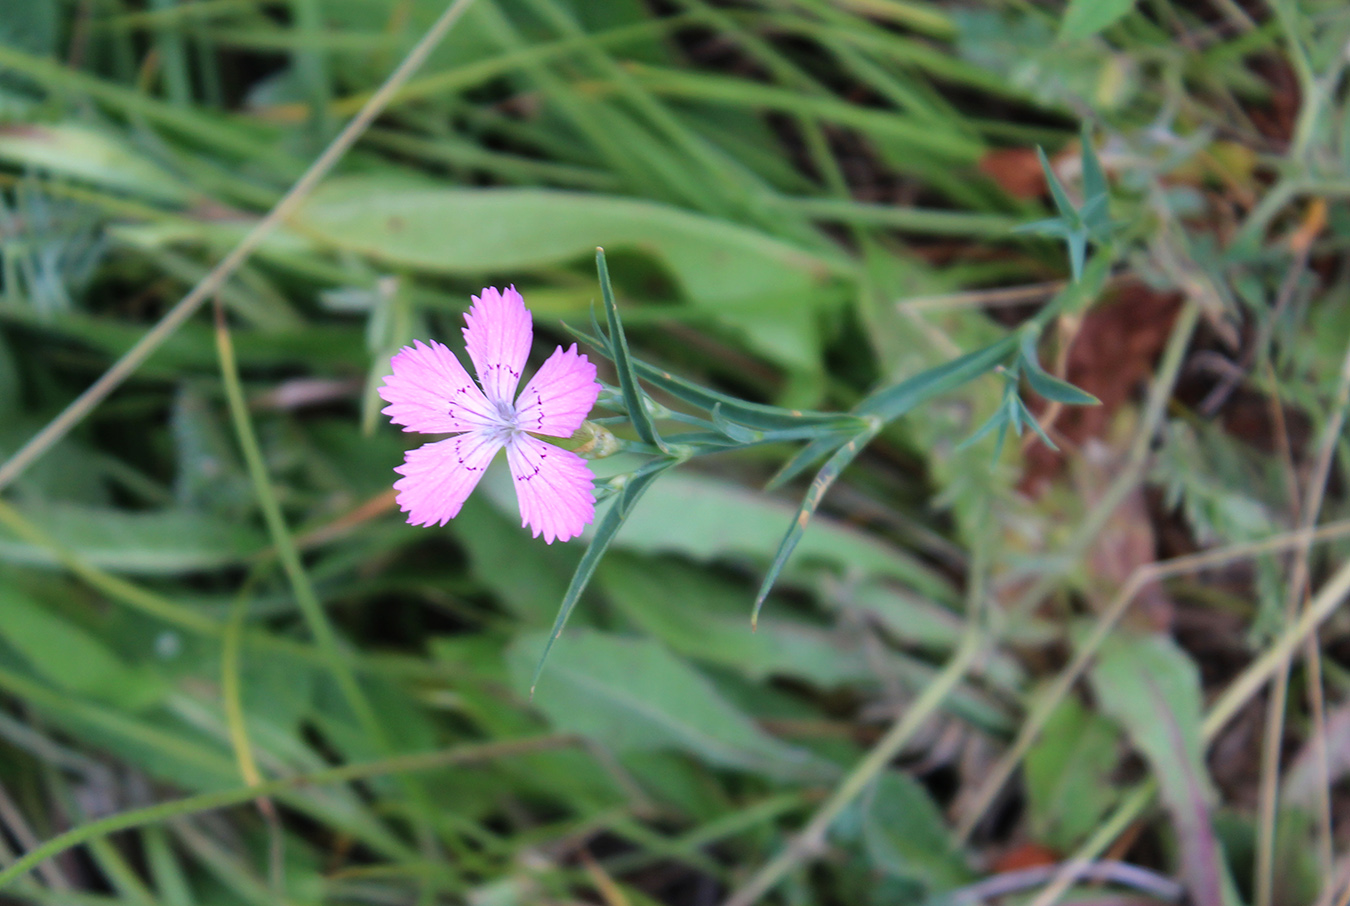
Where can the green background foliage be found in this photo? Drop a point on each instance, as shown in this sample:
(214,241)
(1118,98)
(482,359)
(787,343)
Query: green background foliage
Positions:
(859,240)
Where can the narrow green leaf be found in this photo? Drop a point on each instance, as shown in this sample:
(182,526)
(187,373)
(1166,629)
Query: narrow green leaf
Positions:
(804,459)
(1094,179)
(1051,226)
(1077,243)
(824,478)
(757,416)
(1085,18)
(731,429)
(997,421)
(605,531)
(889,403)
(1066,209)
(600,340)
(633,395)
(1026,417)
(1052,388)
(1045,383)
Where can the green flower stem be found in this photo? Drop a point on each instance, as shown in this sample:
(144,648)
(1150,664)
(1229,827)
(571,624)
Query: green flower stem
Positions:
(204,802)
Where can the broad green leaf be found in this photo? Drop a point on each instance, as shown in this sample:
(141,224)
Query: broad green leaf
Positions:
(32,27)
(703,617)
(9,383)
(89,155)
(70,656)
(536,580)
(1068,775)
(1085,18)
(766,289)
(632,695)
(709,519)
(905,836)
(1152,689)
(324,347)
(162,542)
(208,475)
(925,624)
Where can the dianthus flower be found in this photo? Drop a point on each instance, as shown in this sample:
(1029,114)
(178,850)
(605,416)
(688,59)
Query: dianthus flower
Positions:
(431,392)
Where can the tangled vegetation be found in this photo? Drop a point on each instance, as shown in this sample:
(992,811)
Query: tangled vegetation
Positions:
(1023,649)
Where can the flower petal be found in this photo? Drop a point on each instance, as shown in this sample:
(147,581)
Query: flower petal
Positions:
(559,396)
(438,477)
(498,340)
(553,487)
(431,392)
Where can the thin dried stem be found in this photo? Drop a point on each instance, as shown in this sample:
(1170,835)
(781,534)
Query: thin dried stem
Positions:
(1268,803)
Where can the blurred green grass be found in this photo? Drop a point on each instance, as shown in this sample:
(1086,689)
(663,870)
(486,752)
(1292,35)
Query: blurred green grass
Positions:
(800,201)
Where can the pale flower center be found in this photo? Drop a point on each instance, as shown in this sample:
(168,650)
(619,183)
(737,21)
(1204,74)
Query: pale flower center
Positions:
(505,426)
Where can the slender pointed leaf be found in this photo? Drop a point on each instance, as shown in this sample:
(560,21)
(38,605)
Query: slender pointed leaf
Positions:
(605,531)
(1062,202)
(1077,243)
(998,420)
(731,429)
(1045,383)
(1094,179)
(1051,226)
(1052,388)
(757,416)
(824,478)
(628,382)
(804,459)
(1025,415)
(889,403)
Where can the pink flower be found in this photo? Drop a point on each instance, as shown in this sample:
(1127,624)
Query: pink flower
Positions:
(431,392)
